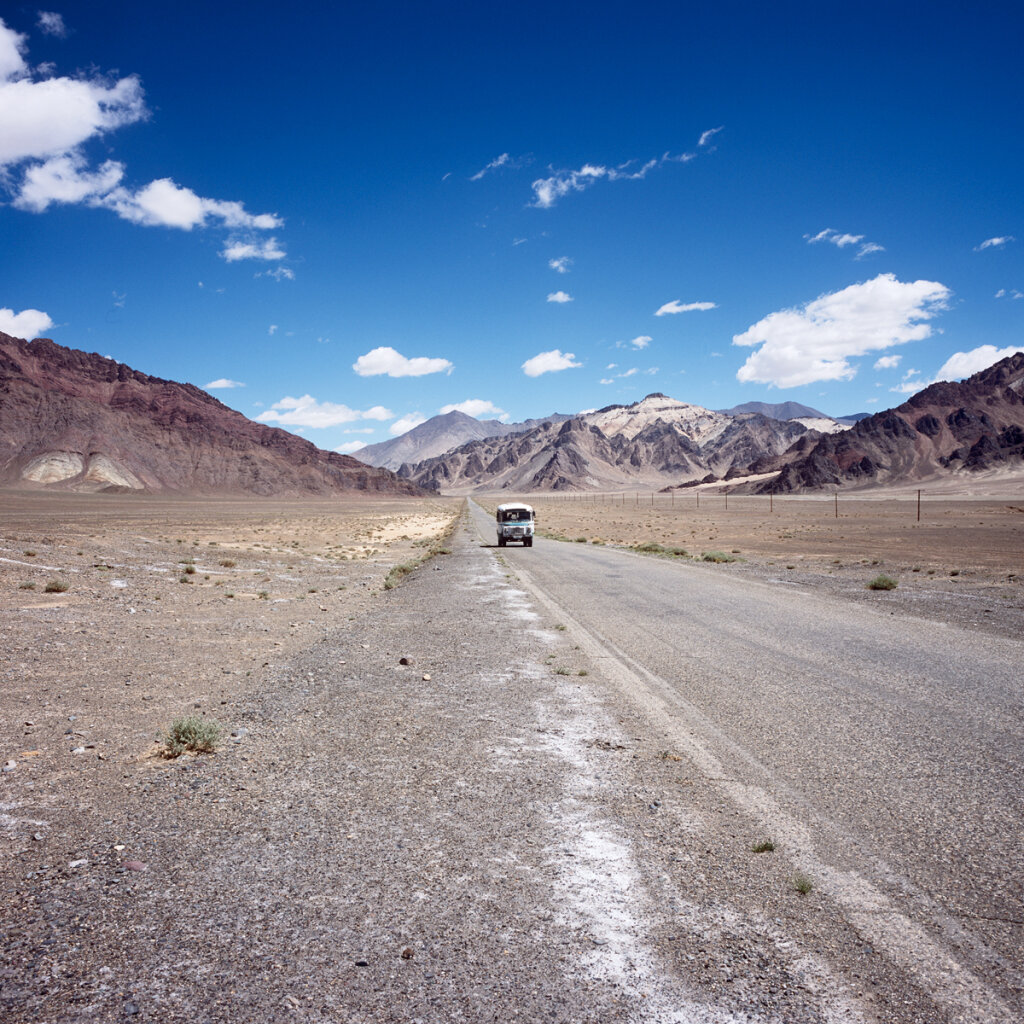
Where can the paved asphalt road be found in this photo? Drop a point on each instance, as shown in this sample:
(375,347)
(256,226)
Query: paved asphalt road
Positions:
(883,754)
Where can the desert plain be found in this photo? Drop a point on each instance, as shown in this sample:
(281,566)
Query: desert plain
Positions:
(256,882)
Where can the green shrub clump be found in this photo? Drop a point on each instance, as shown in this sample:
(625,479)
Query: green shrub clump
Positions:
(194,733)
(55,587)
(883,582)
(719,556)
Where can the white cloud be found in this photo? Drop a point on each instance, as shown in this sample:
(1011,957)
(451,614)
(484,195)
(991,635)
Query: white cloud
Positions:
(815,342)
(476,407)
(963,364)
(630,372)
(887,362)
(45,120)
(308,412)
(994,243)
(607,380)
(28,324)
(272,329)
(349,447)
(278,274)
(706,137)
(642,341)
(675,306)
(498,161)
(360,430)
(559,297)
(549,362)
(547,191)
(867,249)
(385,360)
(841,241)
(561,265)
(406,423)
(51,117)
(52,24)
(222,382)
(12,48)
(64,179)
(265,249)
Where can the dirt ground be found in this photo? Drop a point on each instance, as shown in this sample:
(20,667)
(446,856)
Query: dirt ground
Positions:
(171,606)
(962,561)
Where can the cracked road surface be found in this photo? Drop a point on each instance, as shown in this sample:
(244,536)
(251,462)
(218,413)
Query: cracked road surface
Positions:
(559,823)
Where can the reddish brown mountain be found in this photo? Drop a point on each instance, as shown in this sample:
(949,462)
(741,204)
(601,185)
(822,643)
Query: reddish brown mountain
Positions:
(74,420)
(946,429)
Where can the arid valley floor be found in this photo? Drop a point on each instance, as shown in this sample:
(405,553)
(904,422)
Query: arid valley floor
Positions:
(466,836)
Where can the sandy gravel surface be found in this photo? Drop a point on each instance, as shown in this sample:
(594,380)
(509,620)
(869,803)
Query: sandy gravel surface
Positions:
(508,839)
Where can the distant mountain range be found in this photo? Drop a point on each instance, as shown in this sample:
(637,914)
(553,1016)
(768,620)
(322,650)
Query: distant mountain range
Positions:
(651,443)
(72,420)
(792,411)
(441,434)
(659,442)
(946,429)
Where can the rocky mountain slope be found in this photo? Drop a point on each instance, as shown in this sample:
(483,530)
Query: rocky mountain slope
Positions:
(948,428)
(74,420)
(648,444)
(441,434)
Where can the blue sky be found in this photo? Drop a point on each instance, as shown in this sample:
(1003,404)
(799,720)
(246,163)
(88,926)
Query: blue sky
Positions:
(363,215)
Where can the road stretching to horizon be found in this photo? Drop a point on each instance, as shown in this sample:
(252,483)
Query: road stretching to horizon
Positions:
(882,754)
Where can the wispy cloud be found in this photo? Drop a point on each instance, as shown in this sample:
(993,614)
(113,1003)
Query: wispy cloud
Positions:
(1013,293)
(308,412)
(28,324)
(706,137)
(816,341)
(272,329)
(46,120)
(222,382)
(476,407)
(561,265)
(547,191)
(385,360)
(642,341)
(266,249)
(349,447)
(842,240)
(995,243)
(278,274)
(675,306)
(498,161)
(549,362)
(559,297)
(52,24)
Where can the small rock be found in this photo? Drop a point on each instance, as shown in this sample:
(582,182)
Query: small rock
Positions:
(38,837)
(135,865)
(119,847)
(405,661)
(79,863)
(131,1009)
(407,953)
(426,677)
(9,766)
(240,733)
(362,963)
(78,750)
